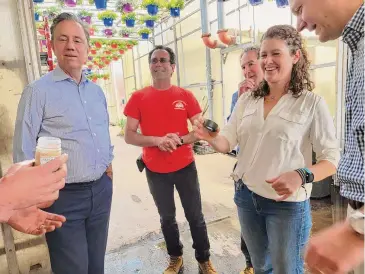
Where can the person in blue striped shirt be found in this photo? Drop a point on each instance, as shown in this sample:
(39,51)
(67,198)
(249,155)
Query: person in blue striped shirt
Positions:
(65,104)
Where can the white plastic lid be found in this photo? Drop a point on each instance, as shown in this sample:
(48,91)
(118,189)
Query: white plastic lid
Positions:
(49,142)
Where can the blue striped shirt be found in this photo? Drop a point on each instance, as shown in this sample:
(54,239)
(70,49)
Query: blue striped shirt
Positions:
(55,105)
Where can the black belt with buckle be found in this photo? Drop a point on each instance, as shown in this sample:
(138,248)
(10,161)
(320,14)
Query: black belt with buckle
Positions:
(356,204)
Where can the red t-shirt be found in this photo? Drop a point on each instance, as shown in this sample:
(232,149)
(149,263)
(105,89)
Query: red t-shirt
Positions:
(161,112)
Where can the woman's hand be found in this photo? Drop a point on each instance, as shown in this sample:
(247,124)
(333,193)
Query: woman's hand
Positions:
(286,184)
(201,133)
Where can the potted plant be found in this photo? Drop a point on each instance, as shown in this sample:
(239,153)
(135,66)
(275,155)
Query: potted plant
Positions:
(144,33)
(114,44)
(97,43)
(129,19)
(125,32)
(122,122)
(38,1)
(149,20)
(99,4)
(115,57)
(282,3)
(175,6)
(37,12)
(108,17)
(106,76)
(151,6)
(256,2)
(122,47)
(70,3)
(108,32)
(126,6)
(40,27)
(92,30)
(52,12)
(85,16)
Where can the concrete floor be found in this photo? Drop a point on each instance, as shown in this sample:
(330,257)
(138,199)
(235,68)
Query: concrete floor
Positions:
(135,242)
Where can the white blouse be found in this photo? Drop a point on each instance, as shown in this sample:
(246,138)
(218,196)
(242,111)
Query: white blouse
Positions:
(282,142)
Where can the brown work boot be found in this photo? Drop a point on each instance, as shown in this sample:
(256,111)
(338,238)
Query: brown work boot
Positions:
(207,268)
(176,266)
(247,270)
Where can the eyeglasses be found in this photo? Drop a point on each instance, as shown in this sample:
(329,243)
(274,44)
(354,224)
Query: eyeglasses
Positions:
(162,60)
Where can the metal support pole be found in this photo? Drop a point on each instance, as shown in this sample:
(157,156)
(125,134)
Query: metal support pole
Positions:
(223,93)
(220,14)
(177,56)
(209,81)
(134,71)
(139,68)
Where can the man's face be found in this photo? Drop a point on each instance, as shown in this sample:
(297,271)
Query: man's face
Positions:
(160,65)
(251,67)
(321,16)
(70,45)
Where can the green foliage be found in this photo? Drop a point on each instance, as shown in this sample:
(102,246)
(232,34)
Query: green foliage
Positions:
(158,3)
(129,16)
(144,30)
(108,14)
(84,13)
(175,4)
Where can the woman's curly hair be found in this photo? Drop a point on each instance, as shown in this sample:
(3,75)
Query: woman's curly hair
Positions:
(299,80)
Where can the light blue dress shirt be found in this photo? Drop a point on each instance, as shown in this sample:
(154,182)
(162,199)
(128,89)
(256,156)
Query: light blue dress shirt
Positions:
(55,105)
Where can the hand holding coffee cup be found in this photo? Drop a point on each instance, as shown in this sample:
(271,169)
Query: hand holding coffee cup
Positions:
(205,129)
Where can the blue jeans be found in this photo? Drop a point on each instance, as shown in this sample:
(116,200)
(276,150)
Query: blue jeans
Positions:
(275,232)
(79,245)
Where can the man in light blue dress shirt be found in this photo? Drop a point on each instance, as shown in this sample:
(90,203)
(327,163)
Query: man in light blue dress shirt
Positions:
(65,104)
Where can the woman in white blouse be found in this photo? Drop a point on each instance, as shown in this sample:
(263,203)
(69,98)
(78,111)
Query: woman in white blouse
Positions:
(277,126)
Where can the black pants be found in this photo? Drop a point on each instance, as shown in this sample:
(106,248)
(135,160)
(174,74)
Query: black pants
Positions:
(162,189)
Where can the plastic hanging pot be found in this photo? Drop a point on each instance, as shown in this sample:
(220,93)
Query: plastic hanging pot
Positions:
(175,12)
(38,1)
(36,16)
(130,23)
(152,9)
(127,8)
(150,23)
(125,35)
(256,2)
(108,32)
(282,3)
(100,4)
(144,36)
(108,22)
(86,19)
(70,3)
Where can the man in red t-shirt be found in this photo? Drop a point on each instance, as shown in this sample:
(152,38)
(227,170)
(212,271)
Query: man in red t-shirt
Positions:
(161,111)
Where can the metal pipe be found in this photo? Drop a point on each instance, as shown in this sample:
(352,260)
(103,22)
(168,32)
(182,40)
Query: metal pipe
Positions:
(223,93)
(177,57)
(209,81)
(220,15)
(139,68)
(134,71)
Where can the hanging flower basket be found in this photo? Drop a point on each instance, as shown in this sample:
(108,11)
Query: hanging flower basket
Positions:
(149,20)
(282,3)
(85,16)
(144,33)
(90,66)
(175,7)
(108,32)
(70,3)
(96,43)
(175,12)
(129,19)
(36,16)
(90,58)
(114,44)
(93,51)
(256,2)
(108,17)
(52,12)
(108,52)
(128,8)
(152,9)
(38,1)
(121,51)
(106,76)
(37,12)
(100,4)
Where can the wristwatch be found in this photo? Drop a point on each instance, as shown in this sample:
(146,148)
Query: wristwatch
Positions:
(306,175)
(356,220)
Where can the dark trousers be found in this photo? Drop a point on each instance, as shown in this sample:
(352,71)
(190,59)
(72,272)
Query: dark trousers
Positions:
(78,247)
(162,189)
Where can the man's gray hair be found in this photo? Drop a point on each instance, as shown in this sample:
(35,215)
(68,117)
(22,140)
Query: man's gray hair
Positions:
(69,17)
(254,48)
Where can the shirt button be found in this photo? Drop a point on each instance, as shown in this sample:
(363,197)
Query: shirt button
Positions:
(89,118)
(94,134)
(84,102)
(98,150)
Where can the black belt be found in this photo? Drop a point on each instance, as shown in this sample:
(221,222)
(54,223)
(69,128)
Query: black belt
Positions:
(356,204)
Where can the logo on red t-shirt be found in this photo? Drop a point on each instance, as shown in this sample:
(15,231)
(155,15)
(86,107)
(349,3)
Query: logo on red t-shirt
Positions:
(179,105)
